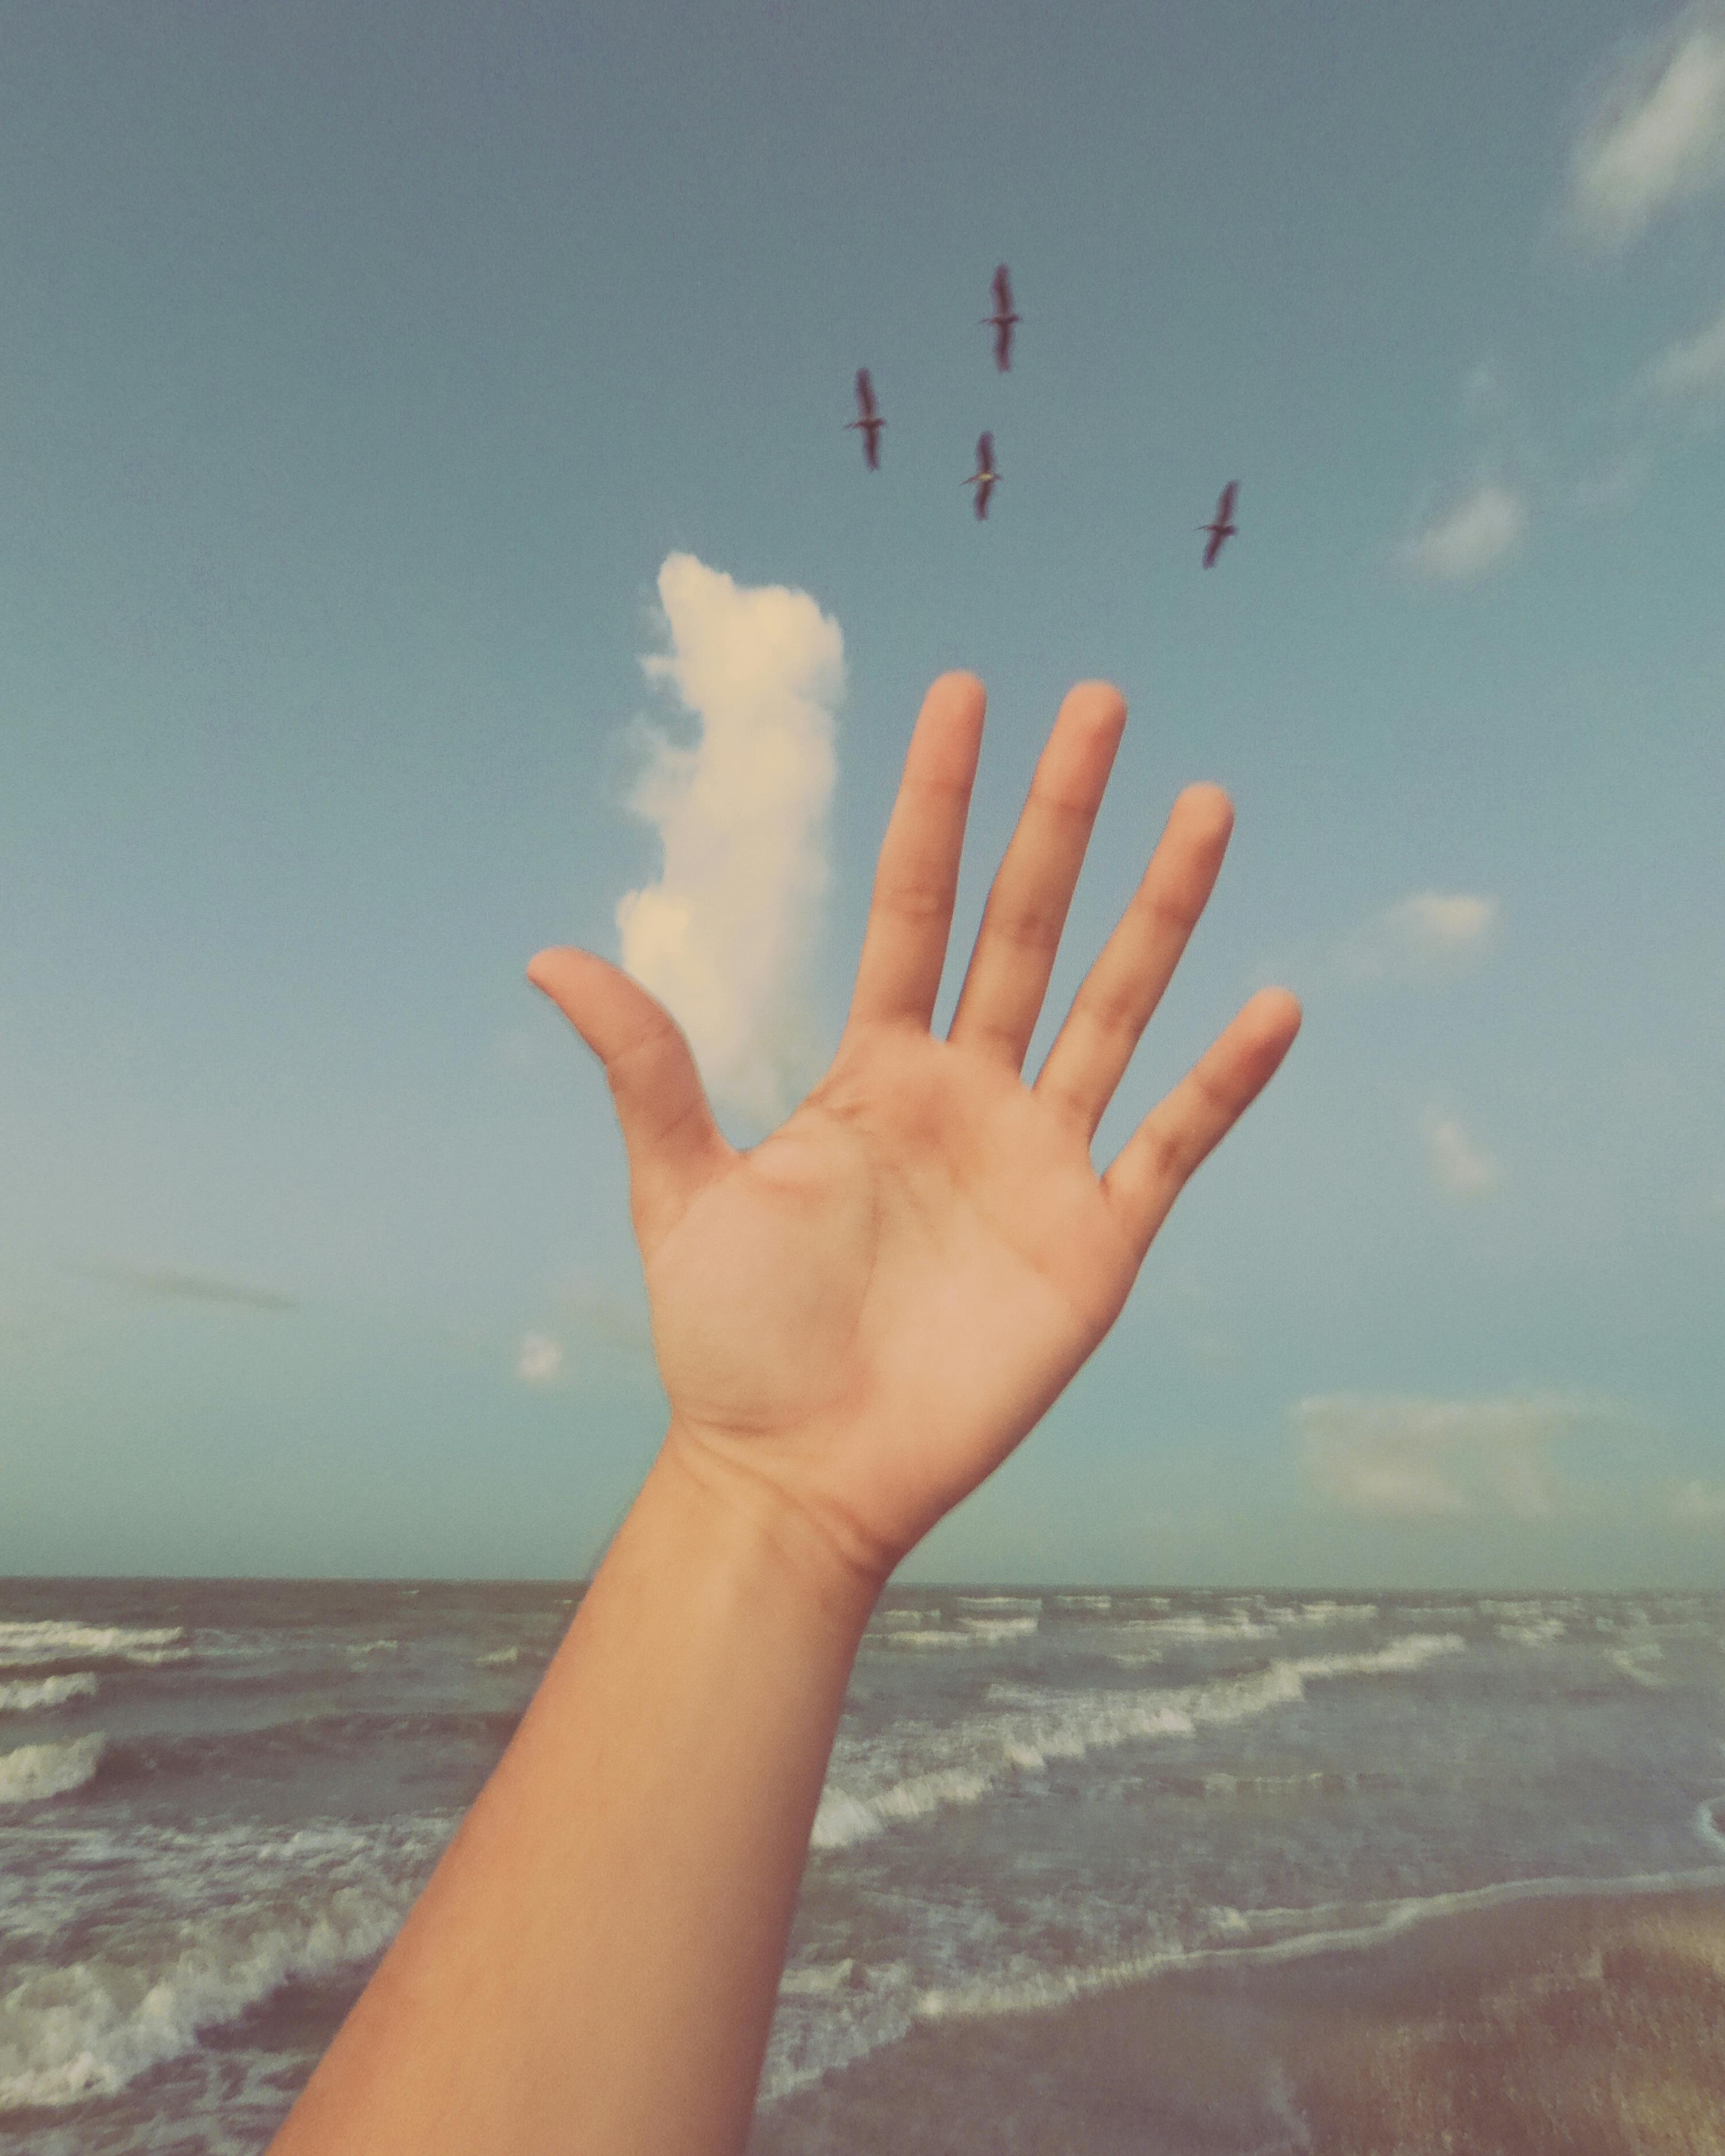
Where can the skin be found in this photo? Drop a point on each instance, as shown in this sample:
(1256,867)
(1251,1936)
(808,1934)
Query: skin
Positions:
(855,1323)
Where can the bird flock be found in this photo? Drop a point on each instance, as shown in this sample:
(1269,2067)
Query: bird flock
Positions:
(1005,318)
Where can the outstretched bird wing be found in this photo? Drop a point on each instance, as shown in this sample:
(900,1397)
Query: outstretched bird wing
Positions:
(985,456)
(865,394)
(983,493)
(1224,508)
(1003,291)
(1213,548)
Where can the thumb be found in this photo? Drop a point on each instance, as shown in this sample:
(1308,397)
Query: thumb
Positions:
(673,1143)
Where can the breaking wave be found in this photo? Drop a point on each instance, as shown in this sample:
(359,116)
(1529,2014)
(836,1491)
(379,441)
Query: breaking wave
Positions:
(58,1640)
(985,1748)
(36,1771)
(37,1697)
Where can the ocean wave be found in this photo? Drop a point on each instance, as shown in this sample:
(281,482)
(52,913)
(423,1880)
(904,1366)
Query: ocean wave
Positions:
(1323,1613)
(87,2029)
(503,1658)
(1236,1625)
(999,1601)
(1633,1661)
(999,1627)
(55,1640)
(35,1771)
(983,1749)
(278,1746)
(1084,1602)
(37,1695)
(1303,1932)
(923,1638)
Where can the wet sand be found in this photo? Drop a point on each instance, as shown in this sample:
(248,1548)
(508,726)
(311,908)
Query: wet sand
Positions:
(1591,2025)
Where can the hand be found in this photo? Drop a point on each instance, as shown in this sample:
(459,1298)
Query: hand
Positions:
(864,1314)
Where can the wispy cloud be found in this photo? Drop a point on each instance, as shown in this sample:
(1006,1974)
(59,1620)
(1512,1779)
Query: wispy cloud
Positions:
(1693,368)
(541,1360)
(164,1283)
(1427,937)
(1699,1505)
(1653,136)
(1479,532)
(724,937)
(1395,1456)
(1609,485)
(1458,1166)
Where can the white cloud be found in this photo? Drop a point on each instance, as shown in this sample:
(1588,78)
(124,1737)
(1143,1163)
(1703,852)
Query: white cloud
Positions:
(1693,366)
(1482,529)
(1699,1505)
(1429,936)
(1656,135)
(725,936)
(1457,1164)
(541,1360)
(1399,1457)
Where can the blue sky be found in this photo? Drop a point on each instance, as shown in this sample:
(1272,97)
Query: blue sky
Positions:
(380,385)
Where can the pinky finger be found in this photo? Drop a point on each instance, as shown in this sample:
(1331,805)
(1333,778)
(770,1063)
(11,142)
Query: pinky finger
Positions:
(1155,1164)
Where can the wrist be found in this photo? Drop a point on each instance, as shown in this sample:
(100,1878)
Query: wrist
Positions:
(820,1559)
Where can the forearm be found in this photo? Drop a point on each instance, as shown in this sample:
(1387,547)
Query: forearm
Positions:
(593,1968)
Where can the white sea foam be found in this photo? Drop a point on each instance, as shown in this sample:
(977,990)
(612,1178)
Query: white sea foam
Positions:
(58,1640)
(866,1795)
(1534,1631)
(1633,1660)
(925,1638)
(1237,1625)
(819,1979)
(301,1904)
(999,1627)
(33,1696)
(503,1659)
(35,1771)
(1332,1613)
(1084,1602)
(376,1647)
(1363,1925)
(999,1601)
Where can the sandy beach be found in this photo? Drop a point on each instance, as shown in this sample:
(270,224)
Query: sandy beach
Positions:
(1585,2026)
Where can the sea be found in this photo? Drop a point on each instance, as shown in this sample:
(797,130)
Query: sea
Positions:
(218,1798)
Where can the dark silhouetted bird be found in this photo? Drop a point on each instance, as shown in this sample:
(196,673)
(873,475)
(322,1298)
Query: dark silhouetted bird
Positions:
(983,477)
(1224,527)
(1002,320)
(868,420)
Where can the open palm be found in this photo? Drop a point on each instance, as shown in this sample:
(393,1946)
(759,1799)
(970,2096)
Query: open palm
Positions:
(868,1312)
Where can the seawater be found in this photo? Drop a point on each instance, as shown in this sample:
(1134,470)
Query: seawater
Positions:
(219,1798)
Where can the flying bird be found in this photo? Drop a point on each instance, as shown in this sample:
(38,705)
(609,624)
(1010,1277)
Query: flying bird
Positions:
(868,420)
(1224,527)
(1002,320)
(983,477)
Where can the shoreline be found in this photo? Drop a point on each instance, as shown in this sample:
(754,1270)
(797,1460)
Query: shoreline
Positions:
(1563,2018)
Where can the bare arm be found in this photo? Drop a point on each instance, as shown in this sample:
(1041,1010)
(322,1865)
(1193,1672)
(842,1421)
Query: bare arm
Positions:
(855,1323)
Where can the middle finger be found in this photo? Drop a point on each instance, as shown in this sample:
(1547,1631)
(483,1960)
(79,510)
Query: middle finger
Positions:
(1008,972)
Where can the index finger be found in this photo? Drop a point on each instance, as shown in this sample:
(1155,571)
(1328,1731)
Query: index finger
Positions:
(904,950)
